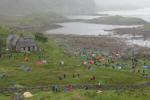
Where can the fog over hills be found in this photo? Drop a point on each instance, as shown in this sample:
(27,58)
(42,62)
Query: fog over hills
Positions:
(18,7)
(121,4)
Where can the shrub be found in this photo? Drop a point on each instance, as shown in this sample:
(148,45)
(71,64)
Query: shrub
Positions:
(40,37)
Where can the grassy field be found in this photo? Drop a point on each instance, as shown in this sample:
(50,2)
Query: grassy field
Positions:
(49,73)
(142,94)
(92,95)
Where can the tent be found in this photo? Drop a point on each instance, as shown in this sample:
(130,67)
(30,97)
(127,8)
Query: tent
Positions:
(26,68)
(3,75)
(146,67)
(41,62)
(27,94)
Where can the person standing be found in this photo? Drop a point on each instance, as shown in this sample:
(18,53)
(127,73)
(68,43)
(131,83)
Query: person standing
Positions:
(74,76)
(78,75)
(64,75)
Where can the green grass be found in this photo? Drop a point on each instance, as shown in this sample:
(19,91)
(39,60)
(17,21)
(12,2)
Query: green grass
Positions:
(4,97)
(93,95)
(139,94)
(48,74)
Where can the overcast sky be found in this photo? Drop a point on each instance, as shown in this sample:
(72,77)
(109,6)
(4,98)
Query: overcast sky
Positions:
(108,4)
(68,6)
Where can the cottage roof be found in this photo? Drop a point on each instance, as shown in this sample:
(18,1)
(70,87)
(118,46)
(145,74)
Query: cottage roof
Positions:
(12,38)
(25,42)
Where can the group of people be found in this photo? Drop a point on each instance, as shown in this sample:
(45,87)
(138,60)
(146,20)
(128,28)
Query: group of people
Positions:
(65,76)
(70,87)
(92,78)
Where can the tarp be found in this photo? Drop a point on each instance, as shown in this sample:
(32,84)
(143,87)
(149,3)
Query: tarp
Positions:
(146,67)
(27,94)
(41,62)
(3,75)
(26,68)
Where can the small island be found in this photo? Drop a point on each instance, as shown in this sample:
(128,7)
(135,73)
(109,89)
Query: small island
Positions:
(117,20)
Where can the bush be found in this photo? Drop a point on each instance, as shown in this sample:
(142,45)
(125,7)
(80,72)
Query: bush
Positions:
(40,37)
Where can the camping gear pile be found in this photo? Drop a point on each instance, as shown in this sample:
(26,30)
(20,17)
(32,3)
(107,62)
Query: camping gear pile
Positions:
(41,62)
(121,65)
(42,59)
(146,67)
(3,75)
(62,62)
(26,59)
(99,91)
(26,68)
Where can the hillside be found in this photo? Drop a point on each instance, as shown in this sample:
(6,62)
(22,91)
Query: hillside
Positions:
(117,20)
(40,21)
(13,73)
(33,22)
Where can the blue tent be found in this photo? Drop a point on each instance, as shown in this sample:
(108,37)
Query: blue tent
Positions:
(146,67)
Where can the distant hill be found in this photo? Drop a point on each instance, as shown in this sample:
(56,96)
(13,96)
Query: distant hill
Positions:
(18,7)
(117,20)
(41,18)
(40,21)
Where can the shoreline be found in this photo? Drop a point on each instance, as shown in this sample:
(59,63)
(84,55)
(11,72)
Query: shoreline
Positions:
(103,43)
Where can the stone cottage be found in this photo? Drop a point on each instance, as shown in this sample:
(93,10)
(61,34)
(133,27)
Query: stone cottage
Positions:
(0,46)
(26,44)
(0,43)
(21,43)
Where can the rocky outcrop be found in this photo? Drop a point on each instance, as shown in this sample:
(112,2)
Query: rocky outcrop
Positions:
(117,20)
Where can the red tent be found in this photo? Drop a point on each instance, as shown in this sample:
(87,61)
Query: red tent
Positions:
(92,62)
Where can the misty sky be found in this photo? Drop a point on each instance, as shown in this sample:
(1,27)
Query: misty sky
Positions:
(68,6)
(107,4)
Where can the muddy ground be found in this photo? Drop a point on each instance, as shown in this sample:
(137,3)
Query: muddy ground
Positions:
(133,31)
(74,44)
